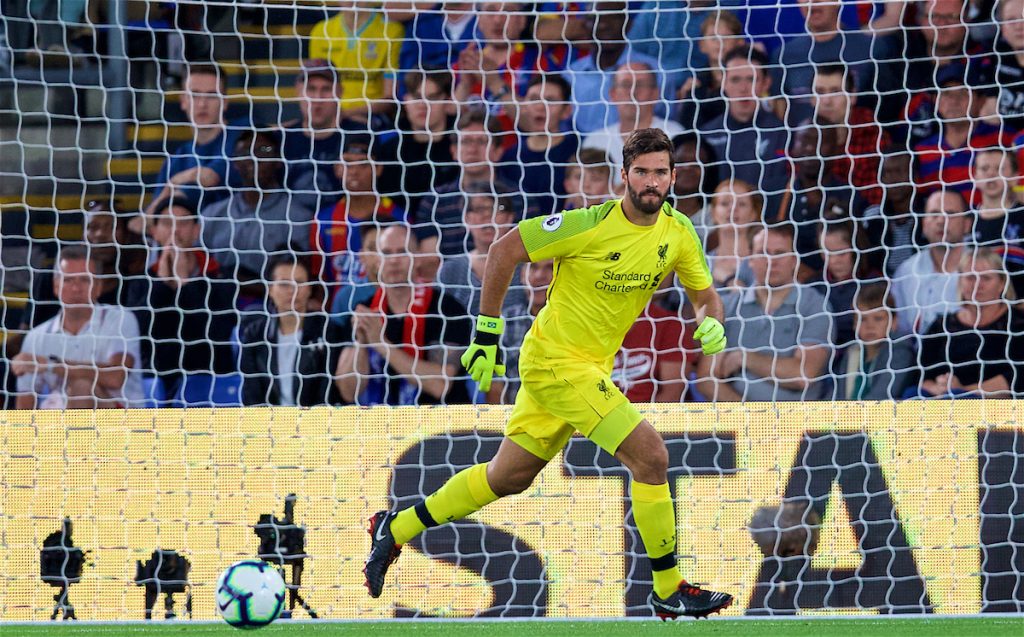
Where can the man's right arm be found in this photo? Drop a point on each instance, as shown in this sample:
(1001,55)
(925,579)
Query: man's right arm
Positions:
(502,259)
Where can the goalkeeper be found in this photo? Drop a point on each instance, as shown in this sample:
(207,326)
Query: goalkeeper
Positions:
(609,261)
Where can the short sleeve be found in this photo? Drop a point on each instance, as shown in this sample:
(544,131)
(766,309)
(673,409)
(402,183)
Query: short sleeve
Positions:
(563,234)
(816,322)
(692,265)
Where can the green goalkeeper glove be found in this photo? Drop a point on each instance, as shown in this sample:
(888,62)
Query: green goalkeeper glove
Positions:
(711,335)
(483,359)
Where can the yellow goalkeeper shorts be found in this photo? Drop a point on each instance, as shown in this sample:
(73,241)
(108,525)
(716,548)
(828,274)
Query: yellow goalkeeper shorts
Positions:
(554,401)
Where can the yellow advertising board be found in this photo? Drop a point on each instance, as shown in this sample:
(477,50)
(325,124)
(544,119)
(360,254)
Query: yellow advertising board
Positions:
(917,502)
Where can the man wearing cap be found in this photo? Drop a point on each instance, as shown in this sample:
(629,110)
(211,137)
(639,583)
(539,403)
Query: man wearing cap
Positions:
(945,159)
(342,230)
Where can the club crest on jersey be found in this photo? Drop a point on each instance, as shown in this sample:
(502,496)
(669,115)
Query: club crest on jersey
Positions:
(602,386)
(552,223)
(662,255)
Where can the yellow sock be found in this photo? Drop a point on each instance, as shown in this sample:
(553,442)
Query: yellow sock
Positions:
(467,492)
(655,517)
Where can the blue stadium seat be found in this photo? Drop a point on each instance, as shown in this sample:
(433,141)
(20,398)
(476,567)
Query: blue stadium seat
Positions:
(207,390)
(153,392)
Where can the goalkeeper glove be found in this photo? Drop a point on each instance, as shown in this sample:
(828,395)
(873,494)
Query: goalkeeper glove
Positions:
(483,359)
(711,335)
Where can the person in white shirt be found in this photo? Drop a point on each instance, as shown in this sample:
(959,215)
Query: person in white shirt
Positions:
(635,94)
(87,356)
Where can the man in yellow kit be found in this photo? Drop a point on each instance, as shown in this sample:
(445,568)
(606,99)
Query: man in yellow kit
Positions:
(609,261)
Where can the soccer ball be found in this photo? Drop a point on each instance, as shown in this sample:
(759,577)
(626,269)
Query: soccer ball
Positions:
(250,594)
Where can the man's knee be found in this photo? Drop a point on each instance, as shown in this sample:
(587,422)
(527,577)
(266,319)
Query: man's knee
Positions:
(510,482)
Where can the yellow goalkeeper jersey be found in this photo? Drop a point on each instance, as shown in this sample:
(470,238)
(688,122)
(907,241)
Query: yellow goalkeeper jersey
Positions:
(606,270)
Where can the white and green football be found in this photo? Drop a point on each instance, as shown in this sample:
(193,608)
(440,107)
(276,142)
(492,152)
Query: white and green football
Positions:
(250,594)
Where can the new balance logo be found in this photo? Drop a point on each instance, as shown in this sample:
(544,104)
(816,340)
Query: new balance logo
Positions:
(613,256)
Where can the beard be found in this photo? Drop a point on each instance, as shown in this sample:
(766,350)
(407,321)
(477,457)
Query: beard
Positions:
(646,206)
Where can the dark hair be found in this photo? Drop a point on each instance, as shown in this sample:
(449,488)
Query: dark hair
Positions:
(646,141)
(872,296)
(207,68)
(473,115)
(550,78)
(838,69)
(707,159)
(786,229)
(503,199)
(441,76)
(165,204)
(248,137)
(288,259)
(747,54)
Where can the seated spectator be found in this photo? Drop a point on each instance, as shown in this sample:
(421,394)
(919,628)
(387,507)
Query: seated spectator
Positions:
(666,30)
(588,180)
(696,180)
(653,363)
(488,218)
(944,159)
(438,222)
(339,231)
(199,168)
(85,357)
(421,157)
(891,228)
(748,140)
(859,138)
(779,331)
(592,76)
(1000,219)
(846,272)
(736,213)
(498,65)
(925,286)
(1007,86)
(538,162)
(702,101)
(815,196)
(876,365)
(435,32)
(312,143)
(534,279)
(363,44)
(288,353)
(865,55)
(634,95)
(977,350)
(391,361)
(184,307)
(259,218)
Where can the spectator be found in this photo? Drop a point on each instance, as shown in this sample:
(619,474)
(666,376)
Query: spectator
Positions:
(363,44)
(340,231)
(748,140)
(778,331)
(736,213)
(184,308)
(288,353)
(720,34)
(815,196)
(977,349)
(696,179)
(588,181)
(312,143)
(892,226)
(421,157)
(498,66)
(652,365)
(87,356)
(393,360)
(925,285)
(858,136)
(944,160)
(436,32)
(1007,87)
(876,365)
(538,162)
(199,168)
(665,31)
(1000,220)
(259,219)
(846,271)
(826,42)
(534,278)
(592,76)
(488,218)
(438,222)
(634,94)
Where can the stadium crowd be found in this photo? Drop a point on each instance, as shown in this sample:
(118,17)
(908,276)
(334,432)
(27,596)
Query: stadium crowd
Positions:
(855,185)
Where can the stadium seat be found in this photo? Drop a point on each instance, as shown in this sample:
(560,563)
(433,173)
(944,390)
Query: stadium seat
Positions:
(206,390)
(153,392)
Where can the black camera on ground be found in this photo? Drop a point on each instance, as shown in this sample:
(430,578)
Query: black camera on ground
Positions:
(60,565)
(164,573)
(281,540)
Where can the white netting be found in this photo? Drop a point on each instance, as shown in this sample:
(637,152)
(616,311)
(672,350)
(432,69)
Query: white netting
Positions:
(291,203)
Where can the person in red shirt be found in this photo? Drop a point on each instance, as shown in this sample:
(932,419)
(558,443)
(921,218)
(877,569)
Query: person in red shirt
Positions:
(653,363)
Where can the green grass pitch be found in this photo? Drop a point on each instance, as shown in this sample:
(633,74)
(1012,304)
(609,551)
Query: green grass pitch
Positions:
(967,627)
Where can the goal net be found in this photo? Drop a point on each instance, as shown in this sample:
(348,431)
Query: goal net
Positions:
(243,245)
